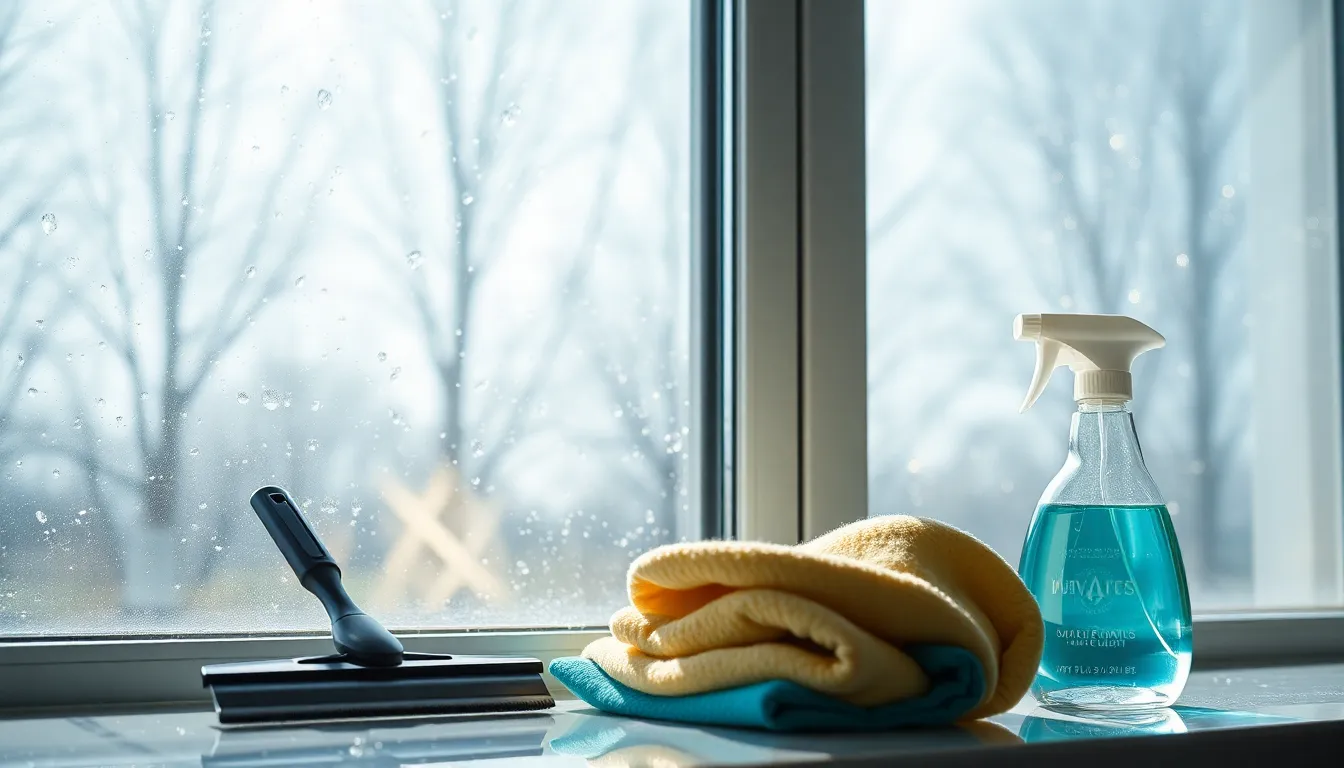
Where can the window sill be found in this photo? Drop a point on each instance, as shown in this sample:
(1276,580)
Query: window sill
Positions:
(1248,715)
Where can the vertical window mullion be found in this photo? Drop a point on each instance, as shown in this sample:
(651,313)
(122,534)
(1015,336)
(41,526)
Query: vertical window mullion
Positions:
(833,265)
(766,466)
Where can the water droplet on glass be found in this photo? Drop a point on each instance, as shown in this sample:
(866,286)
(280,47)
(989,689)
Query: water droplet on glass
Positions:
(395,373)
(323,99)
(312,445)
(482,384)
(298,281)
(185,201)
(475,481)
(316,406)
(169,116)
(477,448)
(32,391)
(48,223)
(243,398)
(20,362)
(83,512)
(250,272)
(467,199)
(195,451)
(1117,141)
(102,345)
(71,261)
(1182,260)
(144,395)
(202,505)
(41,517)
(120,419)
(270,399)
(510,115)
(284,89)
(77,423)
(218,548)
(288,400)
(55,474)
(1229,191)
(382,357)
(618,413)
(415,259)
(328,506)
(1135,296)
(40,324)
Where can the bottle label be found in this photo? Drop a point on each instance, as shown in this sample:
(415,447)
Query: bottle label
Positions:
(1094,588)
(1094,637)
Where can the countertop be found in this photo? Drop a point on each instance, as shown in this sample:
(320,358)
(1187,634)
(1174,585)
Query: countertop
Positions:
(1299,708)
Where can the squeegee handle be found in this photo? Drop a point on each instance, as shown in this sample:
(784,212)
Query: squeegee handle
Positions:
(292,534)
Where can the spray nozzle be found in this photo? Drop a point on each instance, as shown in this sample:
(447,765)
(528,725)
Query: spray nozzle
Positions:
(1097,348)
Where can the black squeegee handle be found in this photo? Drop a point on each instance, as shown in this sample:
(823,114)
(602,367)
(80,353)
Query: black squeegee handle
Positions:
(355,633)
(292,534)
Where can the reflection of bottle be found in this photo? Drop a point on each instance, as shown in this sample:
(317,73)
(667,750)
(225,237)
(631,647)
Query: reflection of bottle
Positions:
(1101,555)
(1037,728)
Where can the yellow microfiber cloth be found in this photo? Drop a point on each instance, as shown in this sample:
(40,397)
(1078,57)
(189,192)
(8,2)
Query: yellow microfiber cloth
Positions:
(832,615)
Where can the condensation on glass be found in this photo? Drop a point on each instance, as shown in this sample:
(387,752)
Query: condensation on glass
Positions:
(1166,161)
(424,264)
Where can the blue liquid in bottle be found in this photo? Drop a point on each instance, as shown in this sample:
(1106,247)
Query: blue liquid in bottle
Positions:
(1113,596)
(1102,560)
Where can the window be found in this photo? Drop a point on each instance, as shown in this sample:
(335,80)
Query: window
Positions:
(424,264)
(509,291)
(1170,161)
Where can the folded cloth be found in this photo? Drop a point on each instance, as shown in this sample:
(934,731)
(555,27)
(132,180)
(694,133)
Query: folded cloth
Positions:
(957,684)
(838,615)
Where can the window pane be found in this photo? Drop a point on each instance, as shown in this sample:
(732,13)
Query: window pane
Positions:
(1170,161)
(423,263)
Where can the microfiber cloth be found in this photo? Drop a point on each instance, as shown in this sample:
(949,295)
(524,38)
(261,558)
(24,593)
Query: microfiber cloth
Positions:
(957,684)
(839,615)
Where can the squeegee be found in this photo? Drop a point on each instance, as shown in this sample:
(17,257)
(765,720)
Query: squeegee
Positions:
(371,675)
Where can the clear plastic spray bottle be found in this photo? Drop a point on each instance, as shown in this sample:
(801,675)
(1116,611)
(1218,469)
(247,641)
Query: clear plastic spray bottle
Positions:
(1101,555)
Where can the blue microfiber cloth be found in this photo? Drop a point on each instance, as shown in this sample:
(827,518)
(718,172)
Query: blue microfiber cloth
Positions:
(956,686)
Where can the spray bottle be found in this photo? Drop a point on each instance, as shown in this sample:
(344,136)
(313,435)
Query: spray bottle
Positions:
(1101,555)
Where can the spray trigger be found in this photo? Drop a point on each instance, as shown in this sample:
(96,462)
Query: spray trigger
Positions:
(1099,349)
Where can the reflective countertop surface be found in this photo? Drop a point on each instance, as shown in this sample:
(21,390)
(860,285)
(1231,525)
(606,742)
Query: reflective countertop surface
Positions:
(574,735)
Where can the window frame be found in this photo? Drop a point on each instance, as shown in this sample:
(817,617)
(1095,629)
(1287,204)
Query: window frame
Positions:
(781,387)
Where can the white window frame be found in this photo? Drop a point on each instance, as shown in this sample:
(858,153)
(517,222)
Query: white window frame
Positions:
(795,367)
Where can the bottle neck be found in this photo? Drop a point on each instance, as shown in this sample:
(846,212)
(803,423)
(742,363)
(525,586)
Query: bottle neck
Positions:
(1103,434)
(1105,464)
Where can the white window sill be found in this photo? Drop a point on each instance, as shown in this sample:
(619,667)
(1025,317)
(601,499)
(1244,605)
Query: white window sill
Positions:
(1289,712)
